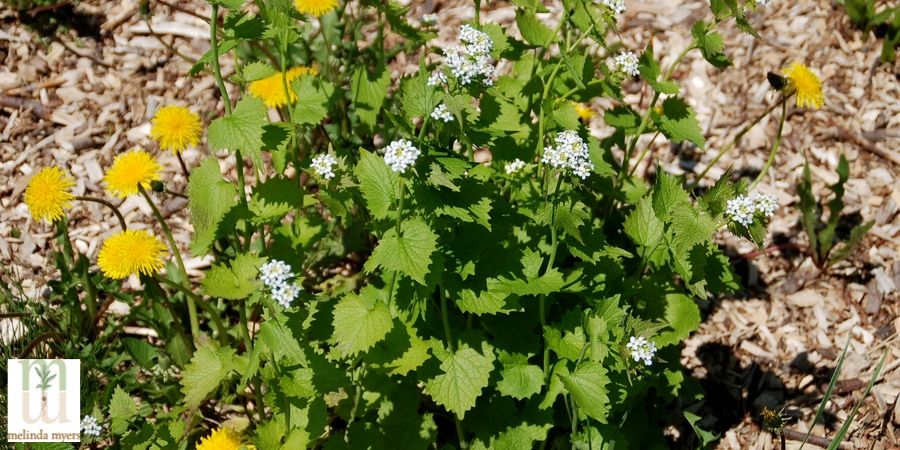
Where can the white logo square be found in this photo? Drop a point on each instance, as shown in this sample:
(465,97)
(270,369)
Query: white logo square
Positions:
(44,399)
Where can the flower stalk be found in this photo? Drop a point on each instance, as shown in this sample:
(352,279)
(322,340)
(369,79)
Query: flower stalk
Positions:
(192,307)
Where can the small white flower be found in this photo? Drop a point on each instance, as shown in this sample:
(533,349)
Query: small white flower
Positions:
(570,153)
(765,204)
(90,427)
(642,350)
(429,19)
(471,61)
(285,293)
(323,166)
(437,78)
(401,155)
(617,6)
(763,2)
(741,210)
(274,273)
(627,62)
(442,113)
(514,166)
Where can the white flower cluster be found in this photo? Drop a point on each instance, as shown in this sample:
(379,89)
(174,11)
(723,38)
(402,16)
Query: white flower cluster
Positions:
(617,6)
(437,78)
(401,155)
(472,60)
(742,209)
(442,113)
(763,2)
(429,19)
(277,276)
(627,62)
(642,350)
(514,166)
(90,427)
(570,152)
(323,166)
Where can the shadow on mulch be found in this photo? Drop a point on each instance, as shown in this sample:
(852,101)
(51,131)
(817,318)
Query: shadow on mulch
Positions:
(50,19)
(732,392)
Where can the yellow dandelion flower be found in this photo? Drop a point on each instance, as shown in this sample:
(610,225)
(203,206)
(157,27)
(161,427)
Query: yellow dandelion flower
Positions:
(316,8)
(130,170)
(271,89)
(223,439)
(584,111)
(47,194)
(131,251)
(807,86)
(176,128)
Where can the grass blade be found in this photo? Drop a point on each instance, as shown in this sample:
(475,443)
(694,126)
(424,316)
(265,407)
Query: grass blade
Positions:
(821,408)
(836,443)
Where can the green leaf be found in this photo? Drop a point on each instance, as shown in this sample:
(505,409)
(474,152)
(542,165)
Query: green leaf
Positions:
(230,4)
(465,374)
(401,352)
(312,99)
(649,69)
(810,212)
(565,116)
(710,43)
(623,117)
(683,317)
(361,321)
(257,71)
(207,369)
(518,379)
(588,387)
(141,351)
(691,227)
(667,195)
(409,253)
(121,410)
(418,99)
(679,123)
(241,130)
(716,199)
(642,225)
(380,186)
(210,197)
(368,92)
(847,247)
(234,281)
(273,199)
(533,30)
(706,437)
(277,337)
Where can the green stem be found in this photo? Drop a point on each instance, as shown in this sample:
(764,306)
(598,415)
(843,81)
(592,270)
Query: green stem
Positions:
(248,344)
(176,322)
(643,154)
(192,308)
(284,83)
(63,239)
(451,344)
(460,435)
(214,43)
(113,208)
(734,141)
(645,120)
(542,303)
(397,225)
(775,146)
(196,299)
(445,318)
(90,292)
